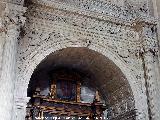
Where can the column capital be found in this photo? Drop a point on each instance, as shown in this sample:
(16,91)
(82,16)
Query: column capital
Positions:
(12,17)
(149,40)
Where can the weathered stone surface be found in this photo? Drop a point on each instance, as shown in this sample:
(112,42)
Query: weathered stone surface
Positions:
(124,31)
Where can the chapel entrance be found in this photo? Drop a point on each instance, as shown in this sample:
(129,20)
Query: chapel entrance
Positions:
(63,100)
(79,83)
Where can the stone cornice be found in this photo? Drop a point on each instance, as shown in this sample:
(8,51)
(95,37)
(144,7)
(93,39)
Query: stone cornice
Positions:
(100,10)
(76,19)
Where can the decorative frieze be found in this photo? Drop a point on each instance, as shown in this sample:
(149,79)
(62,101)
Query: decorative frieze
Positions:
(102,10)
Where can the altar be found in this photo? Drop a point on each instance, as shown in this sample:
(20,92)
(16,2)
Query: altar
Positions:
(64,101)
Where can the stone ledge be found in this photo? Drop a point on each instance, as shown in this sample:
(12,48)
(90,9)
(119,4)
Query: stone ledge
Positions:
(119,16)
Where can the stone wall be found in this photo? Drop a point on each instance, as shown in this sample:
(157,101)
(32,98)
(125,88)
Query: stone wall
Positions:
(125,35)
(58,29)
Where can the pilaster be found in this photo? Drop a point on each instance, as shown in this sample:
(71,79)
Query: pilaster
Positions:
(11,22)
(150,66)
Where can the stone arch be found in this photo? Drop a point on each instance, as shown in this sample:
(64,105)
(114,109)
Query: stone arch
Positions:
(96,71)
(27,68)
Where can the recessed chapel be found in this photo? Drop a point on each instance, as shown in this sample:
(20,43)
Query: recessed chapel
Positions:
(79,59)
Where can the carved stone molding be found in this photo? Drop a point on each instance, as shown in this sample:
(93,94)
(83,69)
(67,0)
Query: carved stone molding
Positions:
(99,9)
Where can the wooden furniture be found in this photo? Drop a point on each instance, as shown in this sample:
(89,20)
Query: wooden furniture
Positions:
(64,101)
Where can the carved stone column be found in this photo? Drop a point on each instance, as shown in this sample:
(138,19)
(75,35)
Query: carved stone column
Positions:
(2,31)
(7,76)
(11,22)
(2,41)
(150,62)
(20,101)
(20,108)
